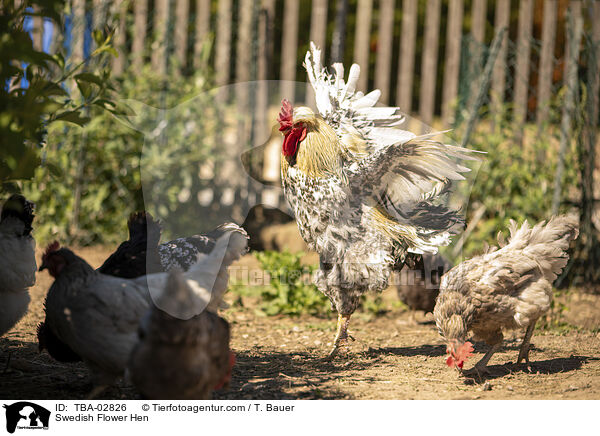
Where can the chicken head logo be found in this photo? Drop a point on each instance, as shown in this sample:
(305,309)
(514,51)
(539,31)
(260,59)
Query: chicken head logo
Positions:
(26,415)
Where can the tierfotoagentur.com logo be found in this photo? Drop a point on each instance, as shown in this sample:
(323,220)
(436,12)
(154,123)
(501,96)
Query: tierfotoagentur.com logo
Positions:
(26,416)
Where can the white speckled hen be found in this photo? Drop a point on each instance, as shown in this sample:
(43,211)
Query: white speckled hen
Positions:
(506,288)
(364,192)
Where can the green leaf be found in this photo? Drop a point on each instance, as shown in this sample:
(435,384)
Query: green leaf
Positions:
(73,117)
(89,77)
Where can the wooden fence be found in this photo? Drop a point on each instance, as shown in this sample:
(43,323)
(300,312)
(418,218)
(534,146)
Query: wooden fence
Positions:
(420,53)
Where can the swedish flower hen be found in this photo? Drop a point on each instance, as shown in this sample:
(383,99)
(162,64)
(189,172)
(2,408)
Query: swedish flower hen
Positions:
(97,316)
(365,193)
(506,288)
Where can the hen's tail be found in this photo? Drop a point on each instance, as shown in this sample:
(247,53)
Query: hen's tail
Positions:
(207,277)
(142,226)
(547,244)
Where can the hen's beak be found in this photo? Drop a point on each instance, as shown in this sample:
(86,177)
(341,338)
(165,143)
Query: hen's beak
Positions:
(43,266)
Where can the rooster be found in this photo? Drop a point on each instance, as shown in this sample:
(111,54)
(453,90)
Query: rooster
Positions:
(17,260)
(506,288)
(364,192)
(180,359)
(98,315)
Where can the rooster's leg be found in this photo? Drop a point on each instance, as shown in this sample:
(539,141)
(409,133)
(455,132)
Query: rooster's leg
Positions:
(481,366)
(341,337)
(524,351)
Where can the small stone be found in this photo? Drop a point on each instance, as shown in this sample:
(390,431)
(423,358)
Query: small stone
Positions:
(486,386)
(509,388)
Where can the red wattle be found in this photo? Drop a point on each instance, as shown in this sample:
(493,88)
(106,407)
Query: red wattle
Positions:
(291,140)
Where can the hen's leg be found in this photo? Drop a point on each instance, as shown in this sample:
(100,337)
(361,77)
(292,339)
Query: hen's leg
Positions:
(481,366)
(341,337)
(524,351)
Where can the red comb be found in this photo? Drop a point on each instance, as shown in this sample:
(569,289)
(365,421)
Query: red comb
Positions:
(53,246)
(285,115)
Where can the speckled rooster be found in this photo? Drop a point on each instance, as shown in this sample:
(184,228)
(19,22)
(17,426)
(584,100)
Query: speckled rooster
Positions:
(364,192)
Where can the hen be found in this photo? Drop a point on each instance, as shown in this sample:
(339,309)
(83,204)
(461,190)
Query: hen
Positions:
(422,285)
(134,258)
(506,288)
(139,253)
(180,359)
(98,315)
(17,260)
(363,191)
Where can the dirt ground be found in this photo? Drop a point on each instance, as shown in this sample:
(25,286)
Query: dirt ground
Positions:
(392,358)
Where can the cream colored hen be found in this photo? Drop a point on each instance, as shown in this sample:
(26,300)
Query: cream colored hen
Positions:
(506,288)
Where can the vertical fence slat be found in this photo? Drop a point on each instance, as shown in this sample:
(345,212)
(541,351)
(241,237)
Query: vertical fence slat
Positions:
(385,40)
(318,24)
(521,85)
(429,61)
(118,62)
(223,41)
(406,62)
(318,35)
(182,11)
(77,30)
(140,11)
(202,30)
(159,45)
(362,37)
(574,27)
(289,47)
(546,61)
(244,42)
(478,20)
(452,64)
(338,40)
(501,20)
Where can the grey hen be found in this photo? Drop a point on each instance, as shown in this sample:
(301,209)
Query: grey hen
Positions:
(506,288)
(176,358)
(420,286)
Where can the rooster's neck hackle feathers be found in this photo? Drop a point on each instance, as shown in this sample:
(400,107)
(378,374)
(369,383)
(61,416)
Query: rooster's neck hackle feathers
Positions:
(320,153)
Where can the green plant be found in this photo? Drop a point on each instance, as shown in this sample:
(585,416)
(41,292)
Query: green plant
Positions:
(291,291)
(35,94)
(515,181)
(103,160)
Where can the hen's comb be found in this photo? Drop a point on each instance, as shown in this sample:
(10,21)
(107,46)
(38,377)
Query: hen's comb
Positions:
(465,351)
(53,246)
(285,115)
